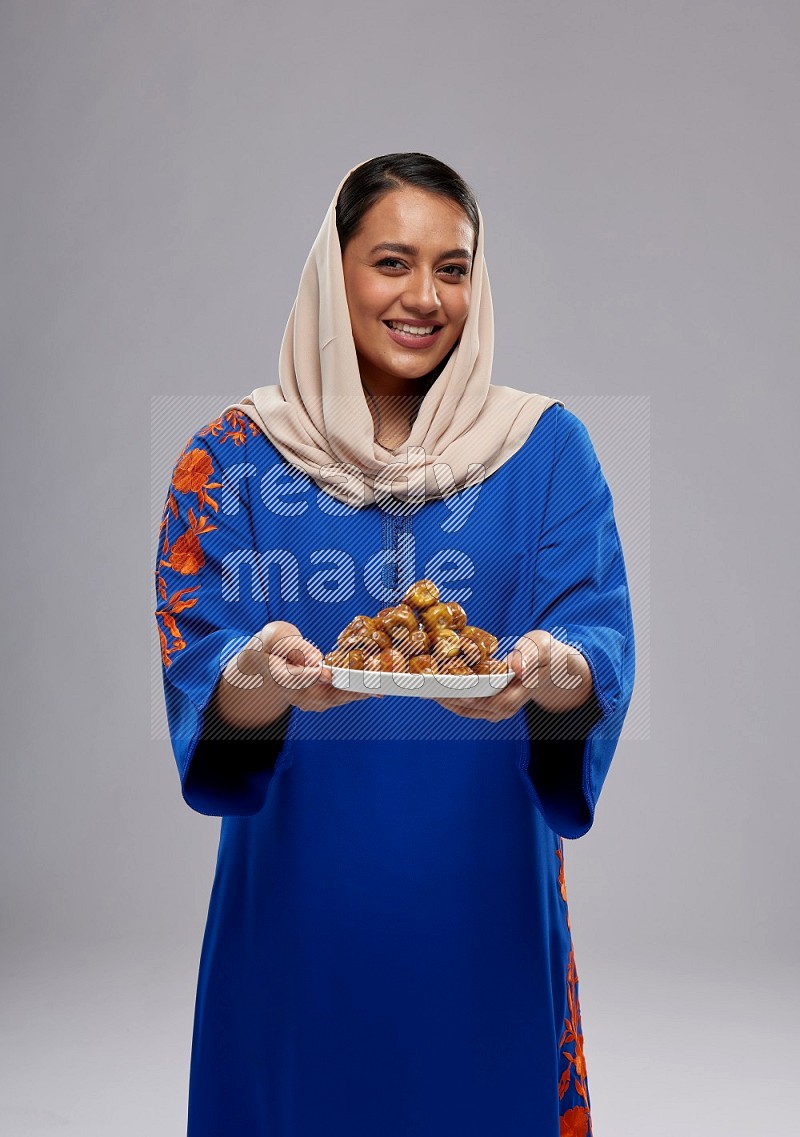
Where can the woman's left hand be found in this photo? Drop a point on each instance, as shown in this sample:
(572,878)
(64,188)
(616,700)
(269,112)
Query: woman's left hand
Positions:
(554,674)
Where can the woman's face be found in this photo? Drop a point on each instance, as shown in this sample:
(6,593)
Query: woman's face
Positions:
(408,264)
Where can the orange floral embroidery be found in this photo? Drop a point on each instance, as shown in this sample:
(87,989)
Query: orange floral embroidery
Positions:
(562,884)
(576,1121)
(237,423)
(184,555)
(192,471)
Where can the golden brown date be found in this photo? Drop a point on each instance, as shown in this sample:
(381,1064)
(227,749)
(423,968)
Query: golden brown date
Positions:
(369,642)
(422,634)
(458,617)
(390,620)
(387,660)
(437,616)
(350,657)
(472,651)
(359,626)
(445,643)
(486,639)
(411,643)
(491,667)
(422,594)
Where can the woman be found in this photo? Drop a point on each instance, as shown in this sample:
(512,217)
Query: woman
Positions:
(388,947)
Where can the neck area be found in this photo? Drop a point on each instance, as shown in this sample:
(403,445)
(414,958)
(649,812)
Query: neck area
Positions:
(392,416)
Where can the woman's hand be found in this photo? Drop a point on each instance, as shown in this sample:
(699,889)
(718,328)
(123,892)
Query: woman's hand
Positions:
(278,668)
(553,674)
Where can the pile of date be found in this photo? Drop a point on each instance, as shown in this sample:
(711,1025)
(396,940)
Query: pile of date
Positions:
(420,635)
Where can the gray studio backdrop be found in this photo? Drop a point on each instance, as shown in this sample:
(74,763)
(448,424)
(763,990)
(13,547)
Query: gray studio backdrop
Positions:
(165,168)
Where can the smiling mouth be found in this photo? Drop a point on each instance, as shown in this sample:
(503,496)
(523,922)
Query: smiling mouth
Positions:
(421,331)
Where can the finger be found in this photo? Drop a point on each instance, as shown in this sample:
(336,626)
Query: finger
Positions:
(288,645)
(326,679)
(249,665)
(525,662)
(292,674)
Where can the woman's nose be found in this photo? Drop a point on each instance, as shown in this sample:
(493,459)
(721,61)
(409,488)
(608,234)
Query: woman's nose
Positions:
(421,294)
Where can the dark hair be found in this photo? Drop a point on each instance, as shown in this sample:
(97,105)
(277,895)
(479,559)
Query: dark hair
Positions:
(370,181)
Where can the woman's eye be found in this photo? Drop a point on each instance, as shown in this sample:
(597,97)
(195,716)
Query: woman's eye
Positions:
(457,271)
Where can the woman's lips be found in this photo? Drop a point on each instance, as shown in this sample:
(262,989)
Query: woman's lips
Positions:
(412,340)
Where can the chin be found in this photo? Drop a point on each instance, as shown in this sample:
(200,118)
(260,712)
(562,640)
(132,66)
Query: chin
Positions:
(421,369)
(437,368)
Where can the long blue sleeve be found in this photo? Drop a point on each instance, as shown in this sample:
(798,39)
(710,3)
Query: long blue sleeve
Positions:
(202,625)
(581,597)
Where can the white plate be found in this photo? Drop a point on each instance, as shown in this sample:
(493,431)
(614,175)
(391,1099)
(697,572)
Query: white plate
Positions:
(420,686)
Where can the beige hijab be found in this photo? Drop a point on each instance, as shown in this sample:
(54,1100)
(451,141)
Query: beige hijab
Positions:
(319,419)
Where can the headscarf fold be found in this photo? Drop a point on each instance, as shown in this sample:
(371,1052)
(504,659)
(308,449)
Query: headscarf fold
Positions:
(318,418)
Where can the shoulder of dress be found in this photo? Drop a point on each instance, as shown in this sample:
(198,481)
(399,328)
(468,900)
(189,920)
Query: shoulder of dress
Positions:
(566,425)
(556,428)
(545,432)
(564,419)
(231,430)
(215,448)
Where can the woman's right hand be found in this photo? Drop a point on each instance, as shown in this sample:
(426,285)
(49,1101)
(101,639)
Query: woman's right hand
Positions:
(279,668)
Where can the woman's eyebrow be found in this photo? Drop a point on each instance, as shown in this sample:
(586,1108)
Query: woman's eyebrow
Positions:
(412,251)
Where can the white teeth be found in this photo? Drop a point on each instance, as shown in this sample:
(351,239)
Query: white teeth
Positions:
(411,330)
